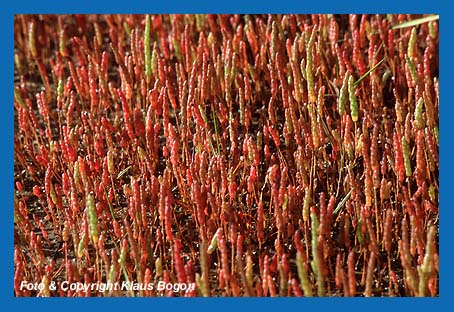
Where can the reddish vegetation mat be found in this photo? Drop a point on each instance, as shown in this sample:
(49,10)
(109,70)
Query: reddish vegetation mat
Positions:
(280,155)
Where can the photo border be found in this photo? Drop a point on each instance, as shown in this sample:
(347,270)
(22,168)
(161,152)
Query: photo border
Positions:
(9,8)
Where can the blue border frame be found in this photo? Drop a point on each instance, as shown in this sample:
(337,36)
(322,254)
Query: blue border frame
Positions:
(9,8)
